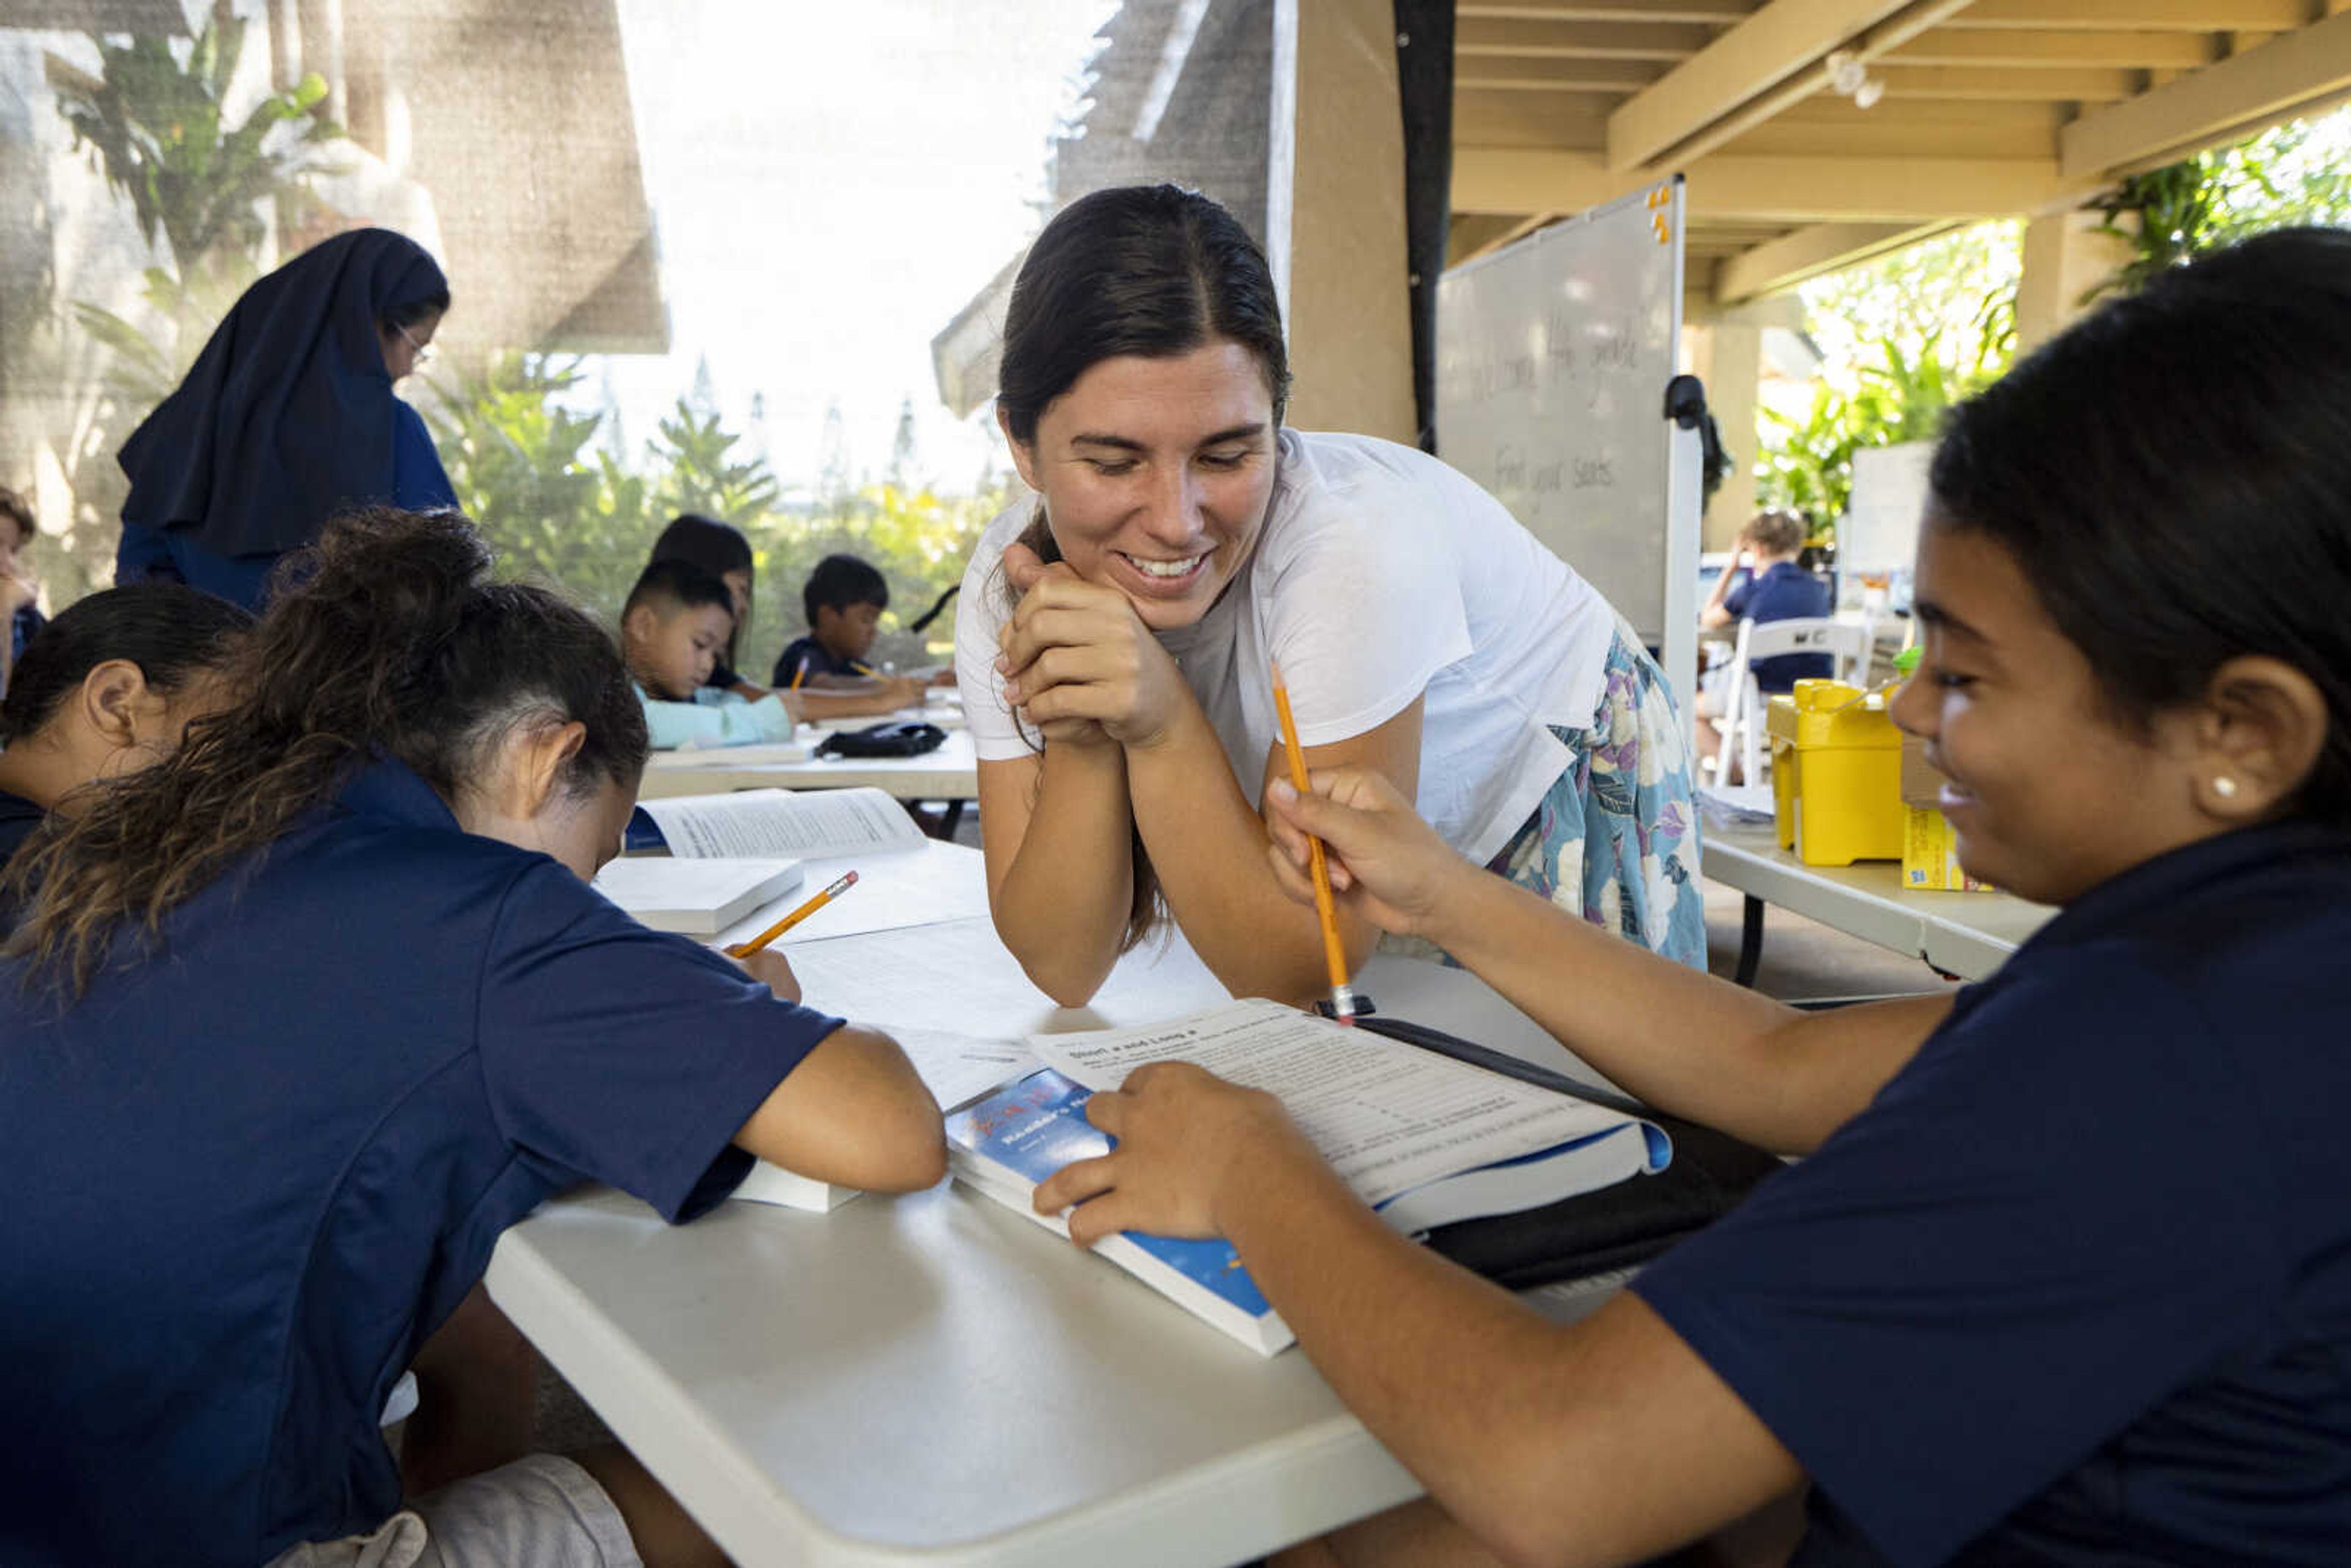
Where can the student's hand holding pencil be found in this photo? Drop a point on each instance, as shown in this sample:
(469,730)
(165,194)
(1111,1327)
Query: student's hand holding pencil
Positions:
(771,968)
(1386,864)
(1075,654)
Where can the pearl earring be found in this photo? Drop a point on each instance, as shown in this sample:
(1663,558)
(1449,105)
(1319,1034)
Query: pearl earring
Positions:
(2225,788)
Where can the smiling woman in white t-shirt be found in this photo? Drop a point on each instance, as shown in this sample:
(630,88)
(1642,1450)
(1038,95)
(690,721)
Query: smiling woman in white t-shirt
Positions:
(1117,633)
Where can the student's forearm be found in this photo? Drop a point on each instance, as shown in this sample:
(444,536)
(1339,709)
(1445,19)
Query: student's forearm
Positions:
(1686,1042)
(1520,1429)
(1063,905)
(1209,849)
(854,1111)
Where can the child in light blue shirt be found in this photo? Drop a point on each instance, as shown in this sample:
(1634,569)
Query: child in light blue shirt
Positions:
(676,624)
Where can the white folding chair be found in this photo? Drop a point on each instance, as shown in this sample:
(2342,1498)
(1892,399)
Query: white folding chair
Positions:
(1741,723)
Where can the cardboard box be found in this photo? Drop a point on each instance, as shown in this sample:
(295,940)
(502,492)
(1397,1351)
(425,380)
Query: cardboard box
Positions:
(1931,855)
(1922,781)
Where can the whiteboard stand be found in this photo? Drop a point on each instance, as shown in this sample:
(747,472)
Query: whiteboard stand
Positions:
(1685,413)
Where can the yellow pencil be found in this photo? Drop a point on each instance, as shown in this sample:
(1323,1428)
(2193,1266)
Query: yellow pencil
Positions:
(798,671)
(744,949)
(1334,953)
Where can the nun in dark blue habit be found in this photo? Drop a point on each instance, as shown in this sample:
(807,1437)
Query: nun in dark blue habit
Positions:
(287,418)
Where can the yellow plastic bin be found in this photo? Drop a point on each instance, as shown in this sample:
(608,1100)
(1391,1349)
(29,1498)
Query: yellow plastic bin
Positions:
(1836,774)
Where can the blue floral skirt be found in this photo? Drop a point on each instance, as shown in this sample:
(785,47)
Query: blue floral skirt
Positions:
(1616,838)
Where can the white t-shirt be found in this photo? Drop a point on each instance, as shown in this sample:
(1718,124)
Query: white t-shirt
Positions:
(1380,575)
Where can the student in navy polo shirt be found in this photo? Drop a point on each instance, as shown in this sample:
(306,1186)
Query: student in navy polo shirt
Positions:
(107,688)
(2066,1276)
(1764,584)
(844,598)
(300,1019)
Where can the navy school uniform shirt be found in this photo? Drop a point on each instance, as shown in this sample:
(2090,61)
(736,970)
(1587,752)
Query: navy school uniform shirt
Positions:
(808,658)
(18,817)
(247,1177)
(2075,1287)
(1785,592)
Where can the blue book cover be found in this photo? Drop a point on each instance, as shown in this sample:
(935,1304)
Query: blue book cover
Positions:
(1016,1137)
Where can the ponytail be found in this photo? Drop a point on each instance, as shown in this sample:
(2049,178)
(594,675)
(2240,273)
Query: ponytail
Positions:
(387,640)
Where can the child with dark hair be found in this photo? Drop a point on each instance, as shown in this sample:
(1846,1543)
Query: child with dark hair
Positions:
(20,611)
(2063,1279)
(677,620)
(299,1019)
(108,689)
(720,550)
(826,670)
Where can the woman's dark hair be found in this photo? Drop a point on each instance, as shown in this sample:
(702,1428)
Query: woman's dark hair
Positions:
(170,631)
(1148,270)
(1152,270)
(2173,476)
(840,582)
(393,643)
(718,548)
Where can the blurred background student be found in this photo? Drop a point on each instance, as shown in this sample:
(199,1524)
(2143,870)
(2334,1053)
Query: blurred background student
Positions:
(1762,584)
(720,550)
(826,671)
(676,624)
(108,689)
(287,417)
(19,594)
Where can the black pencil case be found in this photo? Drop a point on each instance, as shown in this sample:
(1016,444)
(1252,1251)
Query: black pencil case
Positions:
(1629,1222)
(891,737)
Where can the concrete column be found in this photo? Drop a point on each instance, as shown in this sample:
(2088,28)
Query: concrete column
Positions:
(1349,295)
(1728,356)
(2066,257)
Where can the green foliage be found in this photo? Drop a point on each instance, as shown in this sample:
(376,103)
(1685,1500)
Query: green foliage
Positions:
(1807,463)
(561,509)
(701,476)
(160,128)
(1908,335)
(2291,175)
(155,119)
(521,463)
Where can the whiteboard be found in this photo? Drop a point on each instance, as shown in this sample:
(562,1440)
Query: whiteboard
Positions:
(1880,531)
(1553,356)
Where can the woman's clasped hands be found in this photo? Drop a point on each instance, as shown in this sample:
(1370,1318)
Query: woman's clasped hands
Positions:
(1078,662)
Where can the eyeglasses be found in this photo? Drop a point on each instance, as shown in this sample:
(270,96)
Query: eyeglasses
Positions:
(423,351)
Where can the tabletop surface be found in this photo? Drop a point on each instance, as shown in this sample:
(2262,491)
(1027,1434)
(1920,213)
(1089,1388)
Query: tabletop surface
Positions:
(935,1378)
(1968,934)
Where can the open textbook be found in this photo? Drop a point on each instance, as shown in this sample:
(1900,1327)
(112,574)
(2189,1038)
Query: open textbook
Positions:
(1424,1139)
(814,825)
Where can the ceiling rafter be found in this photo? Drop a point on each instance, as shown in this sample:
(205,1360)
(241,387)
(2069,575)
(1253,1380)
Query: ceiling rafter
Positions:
(2208,106)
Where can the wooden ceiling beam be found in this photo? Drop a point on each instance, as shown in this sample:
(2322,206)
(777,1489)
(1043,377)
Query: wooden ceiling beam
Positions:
(1579,41)
(1967,83)
(2137,16)
(2024,48)
(1788,190)
(2259,87)
(1783,39)
(1699,12)
(1812,252)
(1500,73)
